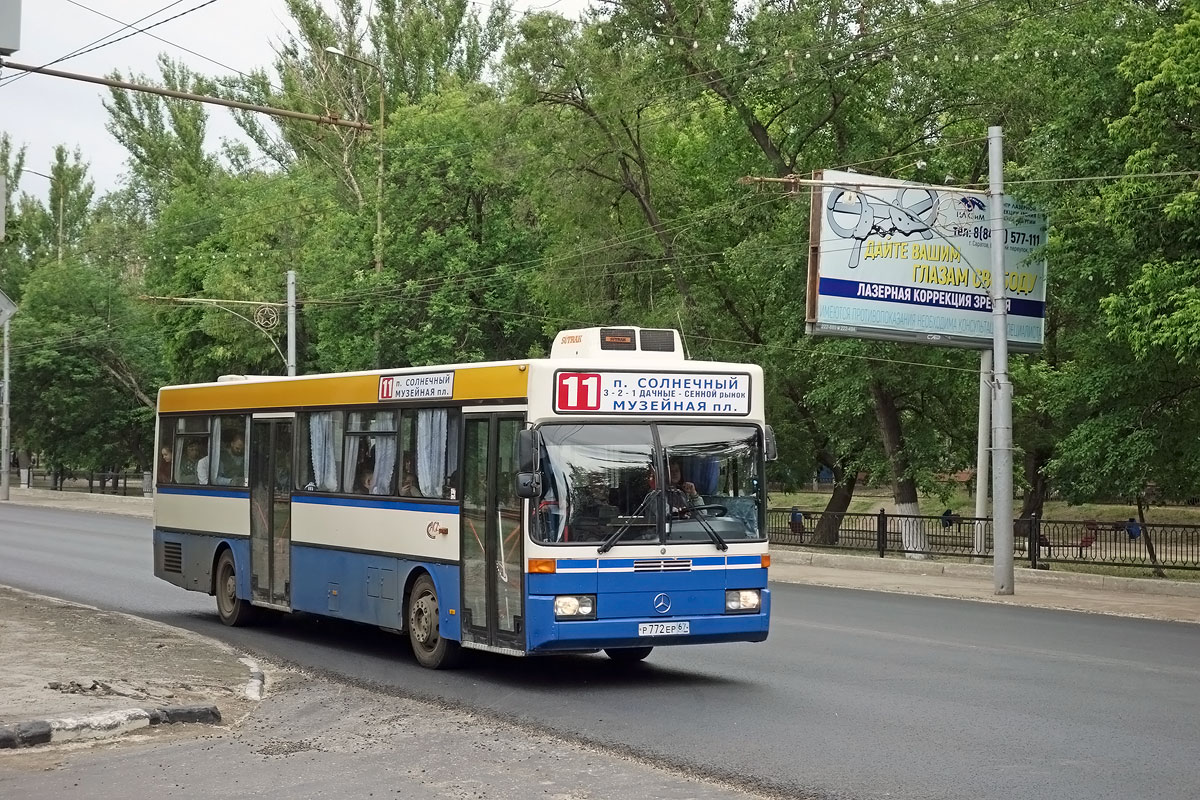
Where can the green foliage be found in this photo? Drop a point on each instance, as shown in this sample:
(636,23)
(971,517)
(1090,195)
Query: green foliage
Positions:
(544,173)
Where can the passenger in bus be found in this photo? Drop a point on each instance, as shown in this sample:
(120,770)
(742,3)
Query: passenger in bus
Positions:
(365,480)
(408,478)
(232,469)
(164,465)
(193,462)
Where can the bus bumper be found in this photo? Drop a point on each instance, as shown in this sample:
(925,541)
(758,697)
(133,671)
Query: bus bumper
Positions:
(547,635)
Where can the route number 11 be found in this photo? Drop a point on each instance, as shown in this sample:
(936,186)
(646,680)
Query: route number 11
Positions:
(578,391)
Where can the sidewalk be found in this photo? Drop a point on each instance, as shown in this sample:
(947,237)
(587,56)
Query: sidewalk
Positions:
(69,671)
(82,501)
(1128,597)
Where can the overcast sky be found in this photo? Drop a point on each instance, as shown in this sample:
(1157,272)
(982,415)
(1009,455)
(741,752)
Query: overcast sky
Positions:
(41,111)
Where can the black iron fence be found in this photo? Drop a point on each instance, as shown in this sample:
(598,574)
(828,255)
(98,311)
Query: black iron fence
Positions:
(125,482)
(1040,542)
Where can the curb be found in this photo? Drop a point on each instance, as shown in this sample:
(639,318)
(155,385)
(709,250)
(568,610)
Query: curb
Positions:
(258,681)
(101,726)
(1078,580)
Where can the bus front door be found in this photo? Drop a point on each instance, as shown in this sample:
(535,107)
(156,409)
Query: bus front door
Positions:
(271,512)
(493,586)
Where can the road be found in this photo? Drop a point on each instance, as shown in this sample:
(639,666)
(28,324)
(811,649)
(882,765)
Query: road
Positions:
(855,695)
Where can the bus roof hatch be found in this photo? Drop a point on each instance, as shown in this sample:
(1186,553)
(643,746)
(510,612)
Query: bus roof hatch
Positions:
(659,344)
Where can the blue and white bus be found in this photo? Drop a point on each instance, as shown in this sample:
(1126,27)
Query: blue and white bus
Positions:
(609,497)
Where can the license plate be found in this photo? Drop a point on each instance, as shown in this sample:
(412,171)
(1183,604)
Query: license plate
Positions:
(664,628)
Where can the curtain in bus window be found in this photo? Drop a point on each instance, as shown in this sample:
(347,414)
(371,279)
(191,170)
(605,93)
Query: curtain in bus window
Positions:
(206,468)
(351,463)
(431,451)
(453,432)
(385,453)
(706,473)
(323,451)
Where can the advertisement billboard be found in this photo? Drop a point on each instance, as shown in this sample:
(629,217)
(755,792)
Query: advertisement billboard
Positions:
(910,262)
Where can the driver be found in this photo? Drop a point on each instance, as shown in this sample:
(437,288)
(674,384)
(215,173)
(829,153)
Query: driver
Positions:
(681,495)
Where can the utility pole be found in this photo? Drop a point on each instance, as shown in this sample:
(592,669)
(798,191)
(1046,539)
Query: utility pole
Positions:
(291,323)
(1002,454)
(982,453)
(7,309)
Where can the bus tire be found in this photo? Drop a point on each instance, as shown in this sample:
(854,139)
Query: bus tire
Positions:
(232,610)
(627,655)
(430,648)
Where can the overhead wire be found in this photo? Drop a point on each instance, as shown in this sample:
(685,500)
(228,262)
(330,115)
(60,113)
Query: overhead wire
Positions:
(101,43)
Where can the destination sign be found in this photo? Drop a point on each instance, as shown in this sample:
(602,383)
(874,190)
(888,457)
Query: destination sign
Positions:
(417,386)
(651,393)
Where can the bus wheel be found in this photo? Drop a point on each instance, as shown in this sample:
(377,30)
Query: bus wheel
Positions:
(428,646)
(627,655)
(232,610)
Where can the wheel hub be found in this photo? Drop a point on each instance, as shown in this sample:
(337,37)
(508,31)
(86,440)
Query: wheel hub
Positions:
(424,621)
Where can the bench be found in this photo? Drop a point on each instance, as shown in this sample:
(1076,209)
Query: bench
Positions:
(1086,540)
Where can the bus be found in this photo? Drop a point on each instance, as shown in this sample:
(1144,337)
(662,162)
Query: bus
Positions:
(610,497)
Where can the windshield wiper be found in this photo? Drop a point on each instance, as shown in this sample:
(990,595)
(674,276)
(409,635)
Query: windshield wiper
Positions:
(634,520)
(712,534)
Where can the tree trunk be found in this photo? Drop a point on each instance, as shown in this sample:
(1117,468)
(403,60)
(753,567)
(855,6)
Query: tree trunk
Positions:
(904,489)
(1158,570)
(830,522)
(1035,496)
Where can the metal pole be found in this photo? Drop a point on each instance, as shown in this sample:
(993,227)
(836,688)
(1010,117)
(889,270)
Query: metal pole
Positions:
(982,452)
(199,98)
(60,222)
(379,184)
(4,428)
(291,322)
(1002,521)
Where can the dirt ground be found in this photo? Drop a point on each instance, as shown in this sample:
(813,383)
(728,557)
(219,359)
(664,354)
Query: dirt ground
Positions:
(62,660)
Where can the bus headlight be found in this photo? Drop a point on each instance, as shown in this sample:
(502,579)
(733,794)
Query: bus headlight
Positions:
(742,599)
(575,606)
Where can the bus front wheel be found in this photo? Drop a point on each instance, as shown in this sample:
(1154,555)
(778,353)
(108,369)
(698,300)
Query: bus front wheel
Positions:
(627,655)
(233,611)
(432,651)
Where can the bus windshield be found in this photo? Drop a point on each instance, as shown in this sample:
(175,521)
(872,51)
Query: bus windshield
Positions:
(599,479)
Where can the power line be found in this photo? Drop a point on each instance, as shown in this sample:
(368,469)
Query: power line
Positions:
(83,48)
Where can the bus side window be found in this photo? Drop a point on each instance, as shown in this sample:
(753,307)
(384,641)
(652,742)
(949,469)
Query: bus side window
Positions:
(166,450)
(191,450)
(320,434)
(432,436)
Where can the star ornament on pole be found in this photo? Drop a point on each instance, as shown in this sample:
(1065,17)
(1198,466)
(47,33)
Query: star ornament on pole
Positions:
(266,317)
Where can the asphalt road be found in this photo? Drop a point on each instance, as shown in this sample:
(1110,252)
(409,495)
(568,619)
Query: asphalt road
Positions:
(855,695)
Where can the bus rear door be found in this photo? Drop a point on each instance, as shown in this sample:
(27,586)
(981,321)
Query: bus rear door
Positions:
(271,512)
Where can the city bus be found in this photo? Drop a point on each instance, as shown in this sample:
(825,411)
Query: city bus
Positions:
(610,497)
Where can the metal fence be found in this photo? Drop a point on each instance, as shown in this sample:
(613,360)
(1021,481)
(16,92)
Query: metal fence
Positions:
(1040,542)
(126,482)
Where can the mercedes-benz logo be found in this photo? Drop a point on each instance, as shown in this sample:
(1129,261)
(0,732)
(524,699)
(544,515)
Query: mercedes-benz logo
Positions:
(662,603)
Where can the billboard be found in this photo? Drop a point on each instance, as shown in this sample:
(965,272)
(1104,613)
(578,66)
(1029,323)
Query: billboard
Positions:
(10,27)
(909,262)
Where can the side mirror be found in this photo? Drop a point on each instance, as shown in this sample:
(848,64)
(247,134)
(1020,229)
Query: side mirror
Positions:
(529,451)
(770,451)
(529,485)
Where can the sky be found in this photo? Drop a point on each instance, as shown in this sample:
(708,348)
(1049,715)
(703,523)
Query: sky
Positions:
(41,111)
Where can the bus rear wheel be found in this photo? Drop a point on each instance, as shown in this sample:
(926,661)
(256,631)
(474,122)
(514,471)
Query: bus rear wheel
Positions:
(431,649)
(627,655)
(232,610)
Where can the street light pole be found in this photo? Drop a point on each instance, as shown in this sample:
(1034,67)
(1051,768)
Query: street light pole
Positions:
(379,138)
